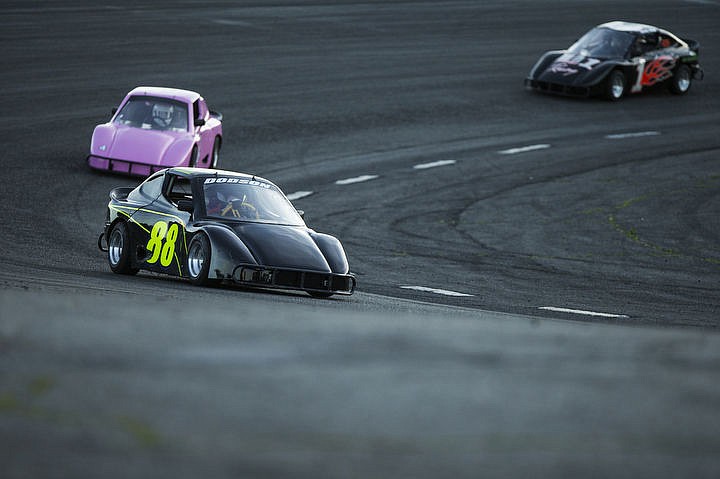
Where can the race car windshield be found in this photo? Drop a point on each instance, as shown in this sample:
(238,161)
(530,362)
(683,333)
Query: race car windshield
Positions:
(152,113)
(248,200)
(603,43)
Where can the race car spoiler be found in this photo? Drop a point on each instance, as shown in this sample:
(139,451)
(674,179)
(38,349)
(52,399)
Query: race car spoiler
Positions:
(285,278)
(122,166)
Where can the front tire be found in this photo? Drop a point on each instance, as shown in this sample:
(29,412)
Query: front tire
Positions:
(119,248)
(215,155)
(198,260)
(193,157)
(615,85)
(681,80)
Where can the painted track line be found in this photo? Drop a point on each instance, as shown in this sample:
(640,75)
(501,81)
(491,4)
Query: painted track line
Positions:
(357,179)
(299,194)
(580,311)
(524,149)
(444,292)
(434,164)
(637,134)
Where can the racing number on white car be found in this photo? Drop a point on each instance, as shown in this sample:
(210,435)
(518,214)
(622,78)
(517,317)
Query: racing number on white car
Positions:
(164,251)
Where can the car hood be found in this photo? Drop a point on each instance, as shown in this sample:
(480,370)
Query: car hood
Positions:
(140,145)
(573,69)
(282,246)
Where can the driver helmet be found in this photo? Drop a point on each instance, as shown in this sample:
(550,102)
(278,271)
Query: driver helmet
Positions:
(162,114)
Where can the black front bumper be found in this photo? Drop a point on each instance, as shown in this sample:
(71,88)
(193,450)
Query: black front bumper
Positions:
(558,88)
(297,279)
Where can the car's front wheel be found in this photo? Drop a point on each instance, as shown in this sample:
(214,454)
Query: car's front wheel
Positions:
(198,260)
(193,157)
(615,85)
(215,155)
(681,80)
(119,247)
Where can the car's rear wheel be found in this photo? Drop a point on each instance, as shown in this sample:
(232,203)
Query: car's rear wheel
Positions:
(615,85)
(119,247)
(681,80)
(215,155)
(198,260)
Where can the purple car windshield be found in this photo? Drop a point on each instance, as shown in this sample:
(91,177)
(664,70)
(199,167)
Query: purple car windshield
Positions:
(603,43)
(248,200)
(153,113)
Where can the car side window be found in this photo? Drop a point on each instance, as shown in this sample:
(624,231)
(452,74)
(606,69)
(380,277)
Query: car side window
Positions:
(667,42)
(179,188)
(148,191)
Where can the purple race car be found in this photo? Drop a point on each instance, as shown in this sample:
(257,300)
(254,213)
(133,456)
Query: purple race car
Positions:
(155,128)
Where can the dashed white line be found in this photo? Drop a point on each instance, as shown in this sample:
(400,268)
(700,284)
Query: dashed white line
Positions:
(357,179)
(580,311)
(637,134)
(434,164)
(524,149)
(436,291)
(298,194)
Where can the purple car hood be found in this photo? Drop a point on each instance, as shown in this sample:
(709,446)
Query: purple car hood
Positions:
(153,147)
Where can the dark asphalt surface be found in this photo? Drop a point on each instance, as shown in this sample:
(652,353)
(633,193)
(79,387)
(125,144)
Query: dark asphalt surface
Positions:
(614,208)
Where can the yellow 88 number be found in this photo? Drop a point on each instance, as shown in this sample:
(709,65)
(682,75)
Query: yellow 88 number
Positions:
(163,251)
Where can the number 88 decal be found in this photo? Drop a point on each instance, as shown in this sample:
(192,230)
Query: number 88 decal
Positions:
(162,251)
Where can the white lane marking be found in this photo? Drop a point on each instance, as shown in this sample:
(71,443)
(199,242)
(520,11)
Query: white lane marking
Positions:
(435,290)
(434,164)
(637,134)
(357,179)
(524,149)
(580,311)
(223,21)
(298,194)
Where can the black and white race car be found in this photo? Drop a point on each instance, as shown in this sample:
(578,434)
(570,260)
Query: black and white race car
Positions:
(616,58)
(212,226)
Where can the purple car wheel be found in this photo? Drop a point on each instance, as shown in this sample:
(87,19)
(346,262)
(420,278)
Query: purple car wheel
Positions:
(215,155)
(193,157)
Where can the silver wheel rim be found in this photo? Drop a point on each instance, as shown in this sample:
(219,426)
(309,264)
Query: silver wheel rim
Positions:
(196,259)
(683,81)
(617,87)
(115,247)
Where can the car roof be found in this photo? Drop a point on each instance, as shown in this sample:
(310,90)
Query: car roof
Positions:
(187,96)
(622,26)
(190,173)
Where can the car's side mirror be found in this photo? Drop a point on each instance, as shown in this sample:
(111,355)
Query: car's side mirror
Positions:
(113,111)
(186,205)
(199,122)
(301,213)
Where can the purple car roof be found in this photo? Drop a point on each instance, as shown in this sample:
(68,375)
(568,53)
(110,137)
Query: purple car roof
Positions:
(164,92)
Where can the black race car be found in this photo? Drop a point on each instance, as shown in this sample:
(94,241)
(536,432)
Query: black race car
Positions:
(618,57)
(220,226)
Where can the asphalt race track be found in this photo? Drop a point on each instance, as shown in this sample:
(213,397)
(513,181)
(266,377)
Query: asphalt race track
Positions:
(538,277)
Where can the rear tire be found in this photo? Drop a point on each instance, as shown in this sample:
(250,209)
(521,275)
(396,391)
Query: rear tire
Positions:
(615,85)
(681,80)
(119,248)
(198,260)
